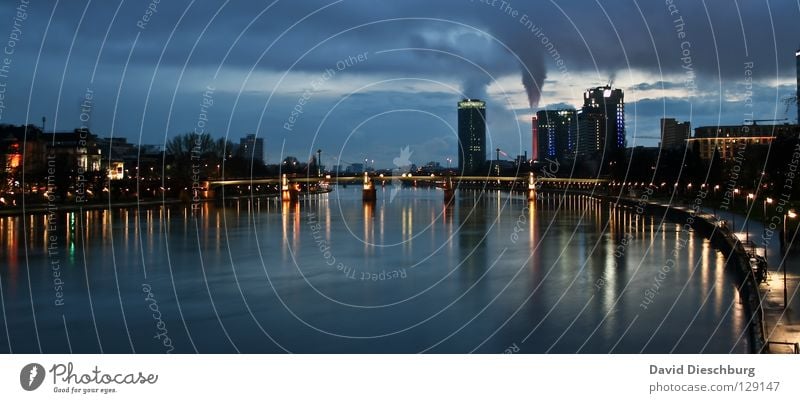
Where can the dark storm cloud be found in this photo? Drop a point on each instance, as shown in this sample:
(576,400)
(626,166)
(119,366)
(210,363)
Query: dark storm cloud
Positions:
(605,36)
(658,85)
(470,42)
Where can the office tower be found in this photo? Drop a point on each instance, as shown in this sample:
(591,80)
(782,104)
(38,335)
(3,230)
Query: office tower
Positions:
(674,134)
(557,131)
(472,137)
(601,122)
(251,147)
(534,139)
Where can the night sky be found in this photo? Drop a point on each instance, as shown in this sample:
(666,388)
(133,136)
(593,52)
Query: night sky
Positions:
(366,78)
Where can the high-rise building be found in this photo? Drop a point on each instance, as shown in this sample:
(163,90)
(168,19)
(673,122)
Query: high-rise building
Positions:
(601,121)
(252,148)
(534,139)
(557,132)
(674,133)
(472,136)
(797,99)
(590,132)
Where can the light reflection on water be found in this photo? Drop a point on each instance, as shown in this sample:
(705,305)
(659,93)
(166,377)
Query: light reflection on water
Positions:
(332,274)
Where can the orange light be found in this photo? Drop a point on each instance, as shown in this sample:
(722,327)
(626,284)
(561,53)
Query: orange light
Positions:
(15,161)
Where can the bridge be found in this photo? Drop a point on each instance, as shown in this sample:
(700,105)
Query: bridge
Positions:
(290,186)
(410,178)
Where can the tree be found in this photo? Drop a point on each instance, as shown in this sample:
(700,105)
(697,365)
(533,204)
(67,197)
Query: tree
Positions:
(194,157)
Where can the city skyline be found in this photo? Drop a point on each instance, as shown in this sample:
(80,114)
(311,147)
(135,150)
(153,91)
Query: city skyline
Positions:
(359,177)
(473,58)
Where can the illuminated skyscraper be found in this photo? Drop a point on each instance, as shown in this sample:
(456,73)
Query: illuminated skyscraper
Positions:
(534,139)
(601,122)
(557,130)
(472,136)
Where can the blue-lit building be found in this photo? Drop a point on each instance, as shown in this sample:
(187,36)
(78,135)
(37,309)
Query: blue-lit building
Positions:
(557,133)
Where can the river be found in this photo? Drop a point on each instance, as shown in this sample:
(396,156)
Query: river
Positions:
(489,273)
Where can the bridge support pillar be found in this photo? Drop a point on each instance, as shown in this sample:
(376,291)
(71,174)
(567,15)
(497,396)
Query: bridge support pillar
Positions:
(209,191)
(289,191)
(531,187)
(449,191)
(289,195)
(369,194)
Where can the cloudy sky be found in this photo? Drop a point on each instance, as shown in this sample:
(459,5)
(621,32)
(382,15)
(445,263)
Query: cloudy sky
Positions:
(365,78)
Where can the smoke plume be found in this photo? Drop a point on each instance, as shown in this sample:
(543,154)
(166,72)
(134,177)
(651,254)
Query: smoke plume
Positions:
(534,73)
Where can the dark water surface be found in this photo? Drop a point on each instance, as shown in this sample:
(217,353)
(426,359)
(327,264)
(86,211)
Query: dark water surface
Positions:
(331,274)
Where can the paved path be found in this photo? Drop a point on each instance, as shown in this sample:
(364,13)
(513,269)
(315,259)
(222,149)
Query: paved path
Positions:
(781,326)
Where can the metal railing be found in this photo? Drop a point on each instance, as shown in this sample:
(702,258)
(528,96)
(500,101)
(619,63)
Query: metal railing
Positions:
(794,346)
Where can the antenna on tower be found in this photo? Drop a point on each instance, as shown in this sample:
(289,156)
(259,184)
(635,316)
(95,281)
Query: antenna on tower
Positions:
(43,120)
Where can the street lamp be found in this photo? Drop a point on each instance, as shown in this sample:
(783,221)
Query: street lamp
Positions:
(747,216)
(319,163)
(767,200)
(789,214)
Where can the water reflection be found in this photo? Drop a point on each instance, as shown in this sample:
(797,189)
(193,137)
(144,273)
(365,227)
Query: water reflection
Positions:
(573,276)
(472,218)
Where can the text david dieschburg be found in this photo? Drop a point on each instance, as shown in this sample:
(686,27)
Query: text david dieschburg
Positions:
(691,369)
